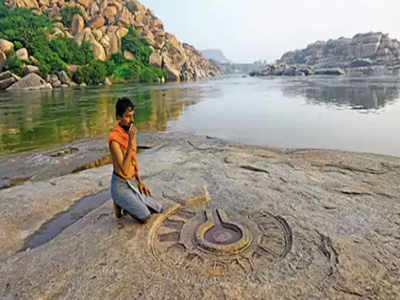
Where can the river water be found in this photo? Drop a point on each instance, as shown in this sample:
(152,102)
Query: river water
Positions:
(357,114)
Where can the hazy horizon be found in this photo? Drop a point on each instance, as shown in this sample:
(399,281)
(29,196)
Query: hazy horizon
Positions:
(260,30)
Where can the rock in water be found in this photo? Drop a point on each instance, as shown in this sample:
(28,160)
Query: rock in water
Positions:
(5,83)
(5,75)
(31,81)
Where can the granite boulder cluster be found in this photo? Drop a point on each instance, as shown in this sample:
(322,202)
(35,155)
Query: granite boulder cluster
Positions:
(105,22)
(372,53)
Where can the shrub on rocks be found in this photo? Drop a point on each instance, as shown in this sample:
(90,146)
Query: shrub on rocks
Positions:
(127,70)
(18,45)
(70,52)
(137,45)
(32,32)
(15,65)
(94,73)
(67,13)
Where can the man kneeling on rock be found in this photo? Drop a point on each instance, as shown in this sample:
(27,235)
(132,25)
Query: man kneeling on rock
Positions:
(128,199)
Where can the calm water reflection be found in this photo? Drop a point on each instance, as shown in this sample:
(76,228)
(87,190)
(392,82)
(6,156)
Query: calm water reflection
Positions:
(367,94)
(43,118)
(359,114)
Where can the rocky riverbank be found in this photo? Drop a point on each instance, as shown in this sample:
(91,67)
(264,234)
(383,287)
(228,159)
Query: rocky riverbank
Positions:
(103,25)
(340,213)
(372,53)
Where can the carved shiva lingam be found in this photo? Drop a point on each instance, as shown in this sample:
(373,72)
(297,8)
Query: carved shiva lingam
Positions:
(220,235)
(199,237)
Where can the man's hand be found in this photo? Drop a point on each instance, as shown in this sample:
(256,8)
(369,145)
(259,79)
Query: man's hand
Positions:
(132,132)
(144,189)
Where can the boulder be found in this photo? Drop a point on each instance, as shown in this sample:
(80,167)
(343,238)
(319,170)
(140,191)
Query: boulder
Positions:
(139,18)
(115,3)
(63,77)
(159,33)
(103,5)
(53,78)
(105,42)
(44,3)
(172,73)
(56,83)
(129,55)
(26,4)
(158,24)
(103,29)
(110,13)
(84,3)
(150,38)
(140,8)
(31,81)
(125,17)
(88,35)
(67,34)
(55,13)
(96,22)
(112,28)
(98,34)
(6,46)
(5,75)
(98,51)
(59,25)
(115,43)
(30,69)
(5,83)
(58,33)
(85,35)
(93,9)
(3,60)
(121,32)
(77,24)
(155,59)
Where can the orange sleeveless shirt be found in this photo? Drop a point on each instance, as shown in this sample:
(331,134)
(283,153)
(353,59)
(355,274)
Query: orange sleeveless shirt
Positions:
(119,135)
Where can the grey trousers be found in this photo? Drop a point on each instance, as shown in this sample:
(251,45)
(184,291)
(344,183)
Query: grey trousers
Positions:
(127,196)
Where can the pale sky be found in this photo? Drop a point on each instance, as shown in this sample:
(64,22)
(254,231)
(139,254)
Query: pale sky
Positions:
(248,30)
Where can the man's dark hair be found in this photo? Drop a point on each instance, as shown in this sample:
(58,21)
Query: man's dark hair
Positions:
(122,106)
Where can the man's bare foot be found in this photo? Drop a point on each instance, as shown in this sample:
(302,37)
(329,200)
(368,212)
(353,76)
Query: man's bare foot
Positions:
(117,210)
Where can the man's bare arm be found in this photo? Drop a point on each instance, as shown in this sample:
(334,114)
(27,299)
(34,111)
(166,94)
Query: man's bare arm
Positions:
(122,161)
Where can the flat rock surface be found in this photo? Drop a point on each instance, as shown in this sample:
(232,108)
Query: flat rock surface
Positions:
(321,225)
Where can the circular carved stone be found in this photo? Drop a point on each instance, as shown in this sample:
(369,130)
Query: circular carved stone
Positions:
(219,239)
(221,235)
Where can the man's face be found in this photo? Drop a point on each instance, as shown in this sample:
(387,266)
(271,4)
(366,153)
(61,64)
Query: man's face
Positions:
(128,117)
